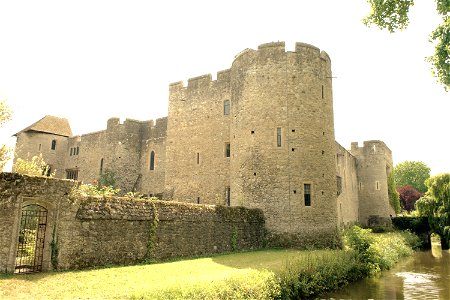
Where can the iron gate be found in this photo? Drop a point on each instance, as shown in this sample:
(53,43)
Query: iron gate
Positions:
(30,248)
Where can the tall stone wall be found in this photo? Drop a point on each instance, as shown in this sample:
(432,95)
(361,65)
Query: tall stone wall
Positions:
(198,130)
(275,92)
(153,140)
(95,231)
(373,168)
(347,185)
(118,149)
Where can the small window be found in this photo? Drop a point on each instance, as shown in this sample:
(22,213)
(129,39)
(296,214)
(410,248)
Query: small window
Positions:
(78,150)
(198,158)
(377,185)
(72,174)
(227,150)
(152,160)
(360,186)
(293,130)
(53,144)
(252,132)
(226,107)
(71,150)
(279,137)
(322,92)
(307,194)
(228,195)
(198,200)
(40,146)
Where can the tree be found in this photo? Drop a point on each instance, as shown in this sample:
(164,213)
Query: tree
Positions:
(393,15)
(436,206)
(408,197)
(35,167)
(5,116)
(412,173)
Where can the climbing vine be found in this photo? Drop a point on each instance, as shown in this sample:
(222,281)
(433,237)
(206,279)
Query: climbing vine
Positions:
(394,198)
(151,243)
(54,249)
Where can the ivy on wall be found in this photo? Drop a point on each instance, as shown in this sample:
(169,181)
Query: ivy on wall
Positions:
(151,243)
(394,197)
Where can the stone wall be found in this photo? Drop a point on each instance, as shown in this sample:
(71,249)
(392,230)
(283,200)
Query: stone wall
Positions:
(17,191)
(373,168)
(33,143)
(347,183)
(93,231)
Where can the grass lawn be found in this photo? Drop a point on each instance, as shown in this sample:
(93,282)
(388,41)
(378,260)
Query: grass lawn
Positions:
(150,281)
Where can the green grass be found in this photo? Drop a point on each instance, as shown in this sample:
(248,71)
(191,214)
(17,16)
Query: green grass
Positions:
(140,280)
(279,274)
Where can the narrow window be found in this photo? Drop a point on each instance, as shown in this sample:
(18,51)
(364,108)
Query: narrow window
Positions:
(101,166)
(279,137)
(360,186)
(307,194)
(227,150)
(40,145)
(228,195)
(198,158)
(322,92)
(53,144)
(152,160)
(71,150)
(378,185)
(78,150)
(226,107)
(198,200)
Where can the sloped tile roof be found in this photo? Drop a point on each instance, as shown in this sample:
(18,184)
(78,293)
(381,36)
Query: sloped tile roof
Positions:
(50,124)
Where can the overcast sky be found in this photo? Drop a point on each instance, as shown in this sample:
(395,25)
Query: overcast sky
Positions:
(91,60)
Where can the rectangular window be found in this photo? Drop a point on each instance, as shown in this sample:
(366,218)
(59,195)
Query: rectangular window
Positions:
(78,150)
(198,158)
(377,185)
(227,150)
(53,144)
(226,107)
(40,145)
(198,200)
(228,195)
(279,137)
(307,194)
(322,92)
(72,174)
(71,151)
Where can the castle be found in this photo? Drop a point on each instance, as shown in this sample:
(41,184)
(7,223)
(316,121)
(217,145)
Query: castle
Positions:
(260,136)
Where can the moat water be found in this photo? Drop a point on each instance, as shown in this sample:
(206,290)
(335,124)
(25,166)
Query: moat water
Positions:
(424,275)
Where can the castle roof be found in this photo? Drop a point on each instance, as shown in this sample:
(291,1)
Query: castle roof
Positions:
(50,124)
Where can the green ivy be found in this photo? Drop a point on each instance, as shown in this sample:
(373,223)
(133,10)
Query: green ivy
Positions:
(54,249)
(394,197)
(151,243)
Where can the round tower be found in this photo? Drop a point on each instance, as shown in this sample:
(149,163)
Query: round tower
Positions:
(282,136)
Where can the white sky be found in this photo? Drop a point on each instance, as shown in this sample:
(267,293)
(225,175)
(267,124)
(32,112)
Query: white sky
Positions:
(91,60)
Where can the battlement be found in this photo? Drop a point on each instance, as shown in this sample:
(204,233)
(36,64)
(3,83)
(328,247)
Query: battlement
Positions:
(372,147)
(201,81)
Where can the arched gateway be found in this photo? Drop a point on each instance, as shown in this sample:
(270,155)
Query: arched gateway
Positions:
(30,246)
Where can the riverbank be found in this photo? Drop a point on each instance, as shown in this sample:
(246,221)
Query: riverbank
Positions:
(267,274)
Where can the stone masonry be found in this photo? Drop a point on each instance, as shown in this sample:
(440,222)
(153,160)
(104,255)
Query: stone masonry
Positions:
(260,136)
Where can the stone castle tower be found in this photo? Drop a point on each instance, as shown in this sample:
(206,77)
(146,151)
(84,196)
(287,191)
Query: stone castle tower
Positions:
(261,135)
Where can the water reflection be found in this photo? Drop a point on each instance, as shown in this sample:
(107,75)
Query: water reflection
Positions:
(425,275)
